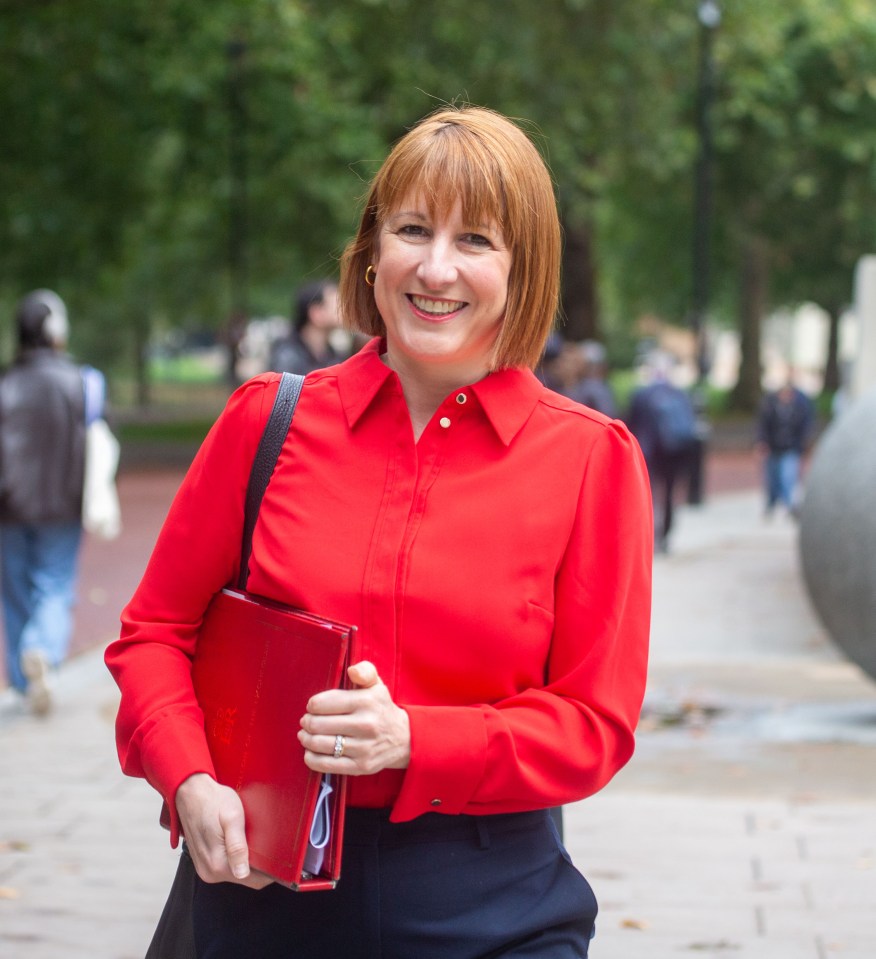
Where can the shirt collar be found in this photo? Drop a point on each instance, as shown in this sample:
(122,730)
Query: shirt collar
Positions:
(507,397)
(360,379)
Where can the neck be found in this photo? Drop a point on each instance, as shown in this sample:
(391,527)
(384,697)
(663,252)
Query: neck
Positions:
(426,388)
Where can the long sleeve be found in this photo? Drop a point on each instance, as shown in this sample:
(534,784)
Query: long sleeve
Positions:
(159,729)
(565,739)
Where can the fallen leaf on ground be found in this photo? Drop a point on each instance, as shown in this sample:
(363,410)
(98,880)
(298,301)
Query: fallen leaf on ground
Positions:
(712,946)
(13,845)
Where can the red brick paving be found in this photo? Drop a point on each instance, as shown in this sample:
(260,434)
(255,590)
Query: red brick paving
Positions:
(110,572)
(732,471)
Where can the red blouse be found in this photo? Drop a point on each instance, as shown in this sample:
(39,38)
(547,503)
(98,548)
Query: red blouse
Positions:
(499,571)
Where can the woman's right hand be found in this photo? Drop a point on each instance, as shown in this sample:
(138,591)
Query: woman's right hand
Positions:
(213,825)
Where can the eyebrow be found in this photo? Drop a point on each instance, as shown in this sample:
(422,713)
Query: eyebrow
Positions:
(407,213)
(487,227)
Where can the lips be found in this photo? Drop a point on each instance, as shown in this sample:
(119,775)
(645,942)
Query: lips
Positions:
(435,307)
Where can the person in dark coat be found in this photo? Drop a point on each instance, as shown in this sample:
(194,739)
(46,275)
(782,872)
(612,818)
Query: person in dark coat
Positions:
(46,401)
(308,346)
(785,423)
(663,420)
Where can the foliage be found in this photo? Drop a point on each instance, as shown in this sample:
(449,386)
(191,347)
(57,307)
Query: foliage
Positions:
(166,162)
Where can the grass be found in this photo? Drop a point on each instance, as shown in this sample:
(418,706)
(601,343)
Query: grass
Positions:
(187,368)
(160,431)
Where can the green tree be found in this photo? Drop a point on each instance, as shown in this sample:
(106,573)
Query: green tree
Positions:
(168,163)
(798,160)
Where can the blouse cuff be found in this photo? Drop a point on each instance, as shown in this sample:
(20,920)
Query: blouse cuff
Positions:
(448,759)
(177,749)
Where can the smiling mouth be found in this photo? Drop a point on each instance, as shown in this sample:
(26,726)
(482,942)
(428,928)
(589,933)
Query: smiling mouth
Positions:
(436,307)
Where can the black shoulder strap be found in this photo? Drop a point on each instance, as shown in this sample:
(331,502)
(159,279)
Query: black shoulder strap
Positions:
(265,460)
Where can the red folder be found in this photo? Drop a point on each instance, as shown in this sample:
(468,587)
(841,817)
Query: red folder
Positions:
(256,665)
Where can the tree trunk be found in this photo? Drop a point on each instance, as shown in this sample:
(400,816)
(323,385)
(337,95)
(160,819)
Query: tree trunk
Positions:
(831,366)
(141,358)
(578,298)
(754,274)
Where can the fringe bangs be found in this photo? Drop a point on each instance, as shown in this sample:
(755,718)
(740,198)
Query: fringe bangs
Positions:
(454,165)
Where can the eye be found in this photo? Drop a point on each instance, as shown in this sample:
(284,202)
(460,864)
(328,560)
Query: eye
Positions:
(477,239)
(413,230)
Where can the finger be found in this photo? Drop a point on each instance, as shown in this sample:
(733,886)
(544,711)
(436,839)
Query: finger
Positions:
(363,674)
(346,702)
(322,763)
(323,744)
(236,849)
(333,702)
(237,854)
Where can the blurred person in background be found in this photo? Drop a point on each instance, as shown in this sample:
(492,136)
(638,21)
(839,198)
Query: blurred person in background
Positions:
(46,403)
(309,346)
(581,373)
(663,420)
(785,423)
(544,369)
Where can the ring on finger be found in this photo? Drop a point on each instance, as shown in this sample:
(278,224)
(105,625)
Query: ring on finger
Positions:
(339,747)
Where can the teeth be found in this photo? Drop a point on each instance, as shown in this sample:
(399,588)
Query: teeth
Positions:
(438,307)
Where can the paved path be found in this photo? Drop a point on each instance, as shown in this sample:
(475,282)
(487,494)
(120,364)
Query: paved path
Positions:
(744,828)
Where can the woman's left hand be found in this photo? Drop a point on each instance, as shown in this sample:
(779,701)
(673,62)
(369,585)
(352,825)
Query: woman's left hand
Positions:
(363,724)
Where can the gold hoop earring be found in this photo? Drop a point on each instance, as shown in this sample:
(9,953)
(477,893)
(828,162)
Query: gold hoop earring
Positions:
(370,275)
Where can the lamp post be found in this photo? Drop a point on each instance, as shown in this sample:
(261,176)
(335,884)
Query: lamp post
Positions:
(237,209)
(709,17)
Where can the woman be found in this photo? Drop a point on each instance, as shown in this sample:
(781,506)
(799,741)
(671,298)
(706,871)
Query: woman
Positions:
(492,541)
(308,346)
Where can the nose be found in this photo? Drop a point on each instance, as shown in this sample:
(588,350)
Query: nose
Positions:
(437,267)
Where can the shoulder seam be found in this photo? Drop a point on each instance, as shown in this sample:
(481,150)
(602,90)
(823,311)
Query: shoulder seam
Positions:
(577,409)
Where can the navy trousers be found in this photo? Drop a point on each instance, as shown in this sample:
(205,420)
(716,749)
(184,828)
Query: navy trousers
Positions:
(440,887)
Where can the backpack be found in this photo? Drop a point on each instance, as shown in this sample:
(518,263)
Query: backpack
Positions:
(675,419)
